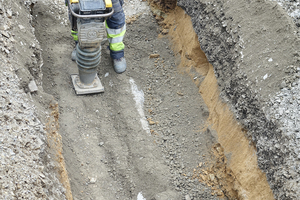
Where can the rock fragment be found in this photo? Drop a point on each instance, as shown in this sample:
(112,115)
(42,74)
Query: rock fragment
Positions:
(5,34)
(93,180)
(22,28)
(32,86)
(187,197)
(154,55)
(9,13)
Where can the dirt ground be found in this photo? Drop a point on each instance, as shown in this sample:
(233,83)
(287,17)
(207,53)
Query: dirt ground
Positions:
(108,153)
(179,124)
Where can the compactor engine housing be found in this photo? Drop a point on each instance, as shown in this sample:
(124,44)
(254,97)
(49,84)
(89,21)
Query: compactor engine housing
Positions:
(87,19)
(91,31)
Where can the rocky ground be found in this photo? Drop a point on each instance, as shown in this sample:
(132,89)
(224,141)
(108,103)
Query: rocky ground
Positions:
(147,134)
(292,8)
(27,167)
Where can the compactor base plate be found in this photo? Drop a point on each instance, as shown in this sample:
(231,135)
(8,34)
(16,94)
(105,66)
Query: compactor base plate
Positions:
(80,88)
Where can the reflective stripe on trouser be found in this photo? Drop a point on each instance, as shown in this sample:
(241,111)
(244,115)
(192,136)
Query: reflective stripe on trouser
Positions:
(75,35)
(115,25)
(115,38)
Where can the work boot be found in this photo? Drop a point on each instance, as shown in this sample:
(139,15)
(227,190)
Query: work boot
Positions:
(119,65)
(73,55)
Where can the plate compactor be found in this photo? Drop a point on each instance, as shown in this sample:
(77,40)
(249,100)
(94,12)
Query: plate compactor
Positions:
(87,20)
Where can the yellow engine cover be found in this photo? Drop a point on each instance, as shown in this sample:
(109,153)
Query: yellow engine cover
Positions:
(108,3)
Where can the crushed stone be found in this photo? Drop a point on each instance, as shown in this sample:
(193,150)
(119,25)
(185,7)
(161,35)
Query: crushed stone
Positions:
(23,170)
(292,8)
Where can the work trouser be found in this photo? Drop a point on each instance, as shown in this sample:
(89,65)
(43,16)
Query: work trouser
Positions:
(116,28)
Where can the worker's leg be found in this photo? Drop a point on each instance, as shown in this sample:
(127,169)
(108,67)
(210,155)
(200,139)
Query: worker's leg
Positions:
(75,37)
(116,28)
(74,31)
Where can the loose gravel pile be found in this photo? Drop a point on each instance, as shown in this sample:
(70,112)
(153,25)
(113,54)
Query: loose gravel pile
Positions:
(284,108)
(22,134)
(292,8)
(24,163)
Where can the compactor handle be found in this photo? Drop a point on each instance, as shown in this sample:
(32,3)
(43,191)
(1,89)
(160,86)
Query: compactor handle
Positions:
(91,16)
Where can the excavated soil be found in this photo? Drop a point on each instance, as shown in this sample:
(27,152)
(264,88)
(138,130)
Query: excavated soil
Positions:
(190,118)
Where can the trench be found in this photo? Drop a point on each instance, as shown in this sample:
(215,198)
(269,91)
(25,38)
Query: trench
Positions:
(234,166)
(107,153)
(238,172)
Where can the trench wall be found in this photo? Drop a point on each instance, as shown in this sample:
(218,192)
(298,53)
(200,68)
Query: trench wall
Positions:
(238,38)
(32,166)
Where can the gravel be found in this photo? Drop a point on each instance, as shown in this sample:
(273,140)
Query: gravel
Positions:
(174,114)
(284,108)
(24,172)
(292,8)
(27,170)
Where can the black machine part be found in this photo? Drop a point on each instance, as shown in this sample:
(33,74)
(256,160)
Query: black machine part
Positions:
(76,11)
(88,7)
(73,20)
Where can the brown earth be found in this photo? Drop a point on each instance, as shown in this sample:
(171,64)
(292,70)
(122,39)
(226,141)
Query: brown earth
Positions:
(54,142)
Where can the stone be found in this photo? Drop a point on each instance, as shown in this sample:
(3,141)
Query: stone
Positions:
(93,180)
(32,86)
(187,197)
(101,144)
(283,84)
(154,55)
(9,13)
(22,28)
(5,34)
(211,177)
